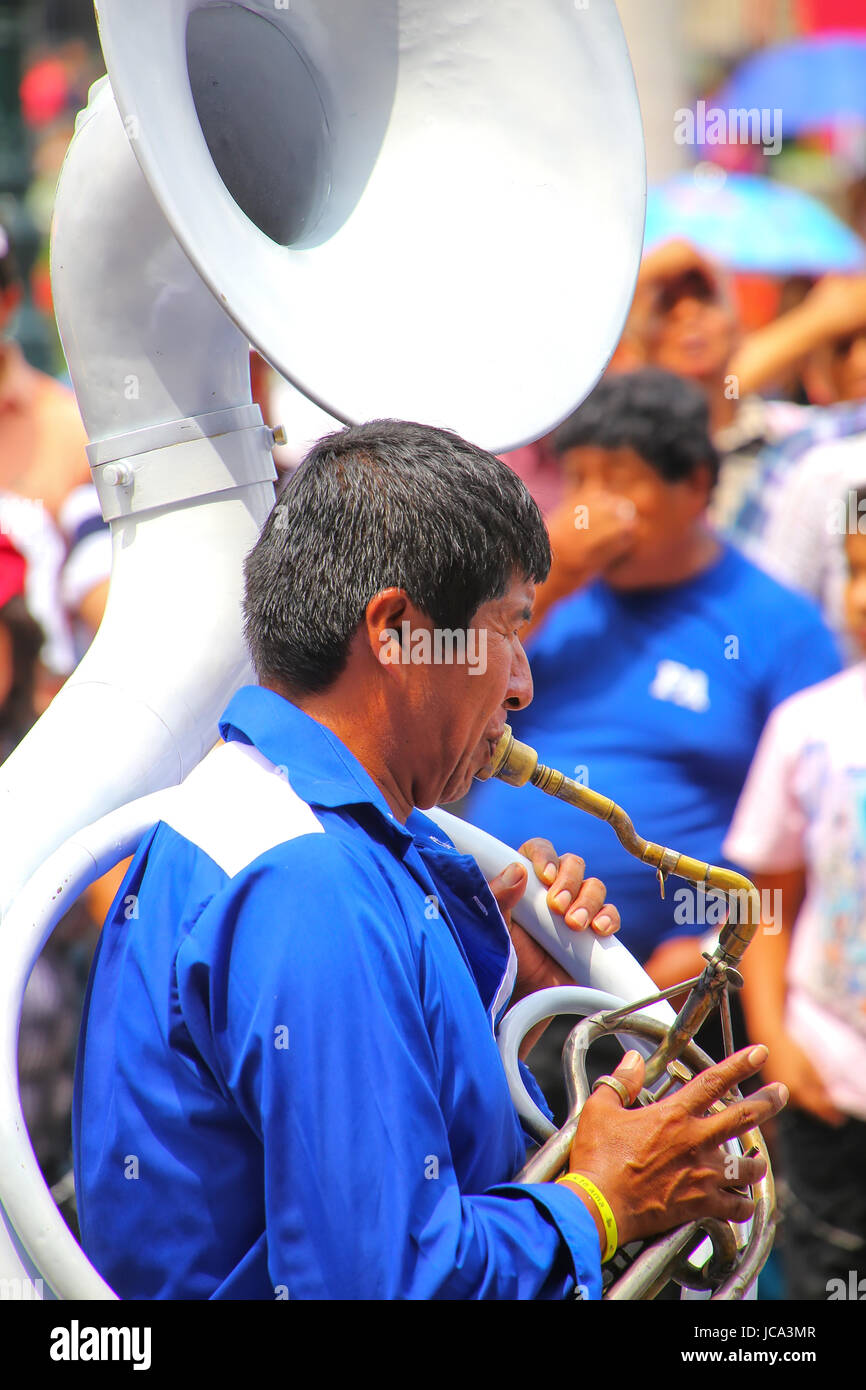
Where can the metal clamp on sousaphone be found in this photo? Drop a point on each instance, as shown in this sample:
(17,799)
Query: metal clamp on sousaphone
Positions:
(735,1261)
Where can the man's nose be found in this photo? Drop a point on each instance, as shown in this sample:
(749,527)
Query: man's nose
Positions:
(520,687)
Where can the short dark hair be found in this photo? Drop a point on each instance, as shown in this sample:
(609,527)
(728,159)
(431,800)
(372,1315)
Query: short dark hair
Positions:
(662,417)
(389,503)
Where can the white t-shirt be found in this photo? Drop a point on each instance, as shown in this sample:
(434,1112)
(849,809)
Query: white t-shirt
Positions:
(808,518)
(804,805)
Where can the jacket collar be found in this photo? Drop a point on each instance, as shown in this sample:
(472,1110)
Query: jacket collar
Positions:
(318,764)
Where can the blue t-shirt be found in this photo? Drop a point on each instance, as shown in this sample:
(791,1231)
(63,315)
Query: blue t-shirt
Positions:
(657,699)
(287,1083)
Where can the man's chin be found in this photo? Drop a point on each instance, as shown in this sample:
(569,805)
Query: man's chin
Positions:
(455,791)
(484,773)
(623,573)
(461,783)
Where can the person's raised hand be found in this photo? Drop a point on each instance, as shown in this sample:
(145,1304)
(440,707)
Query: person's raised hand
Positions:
(588,531)
(836,307)
(789,1064)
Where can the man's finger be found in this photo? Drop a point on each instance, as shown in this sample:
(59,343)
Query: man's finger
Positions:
(741,1171)
(630,1072)
(566,888)
(714,1083)
(732,1206)
(586,904)
(606,922)
(508,887)
(543,857)
(747,1114)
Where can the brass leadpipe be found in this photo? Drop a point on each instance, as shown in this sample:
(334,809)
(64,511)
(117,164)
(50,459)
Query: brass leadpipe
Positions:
(517,764)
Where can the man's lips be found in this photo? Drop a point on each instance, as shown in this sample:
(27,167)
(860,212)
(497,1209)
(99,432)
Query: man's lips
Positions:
(492,741)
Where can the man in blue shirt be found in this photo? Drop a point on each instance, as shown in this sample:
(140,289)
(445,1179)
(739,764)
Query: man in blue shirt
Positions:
(288,1084)
(653,682)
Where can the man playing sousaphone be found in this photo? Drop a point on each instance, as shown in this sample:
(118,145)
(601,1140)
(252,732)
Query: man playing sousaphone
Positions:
(288,1083)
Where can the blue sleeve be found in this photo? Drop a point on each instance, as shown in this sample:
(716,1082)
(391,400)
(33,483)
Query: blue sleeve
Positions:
(320,1036)
(535,1091)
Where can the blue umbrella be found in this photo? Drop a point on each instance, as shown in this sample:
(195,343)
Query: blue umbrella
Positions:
(750,223)
(815,82)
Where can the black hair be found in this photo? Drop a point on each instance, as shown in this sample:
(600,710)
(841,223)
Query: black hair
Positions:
(662,417)
(389,503)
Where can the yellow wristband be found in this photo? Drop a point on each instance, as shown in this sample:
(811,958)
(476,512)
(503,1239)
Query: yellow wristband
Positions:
(608,1220)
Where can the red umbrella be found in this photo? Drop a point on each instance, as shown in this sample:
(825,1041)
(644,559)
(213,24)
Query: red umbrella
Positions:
(827,16)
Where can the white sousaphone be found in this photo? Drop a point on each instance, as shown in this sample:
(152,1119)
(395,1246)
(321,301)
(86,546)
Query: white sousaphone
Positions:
(425,209)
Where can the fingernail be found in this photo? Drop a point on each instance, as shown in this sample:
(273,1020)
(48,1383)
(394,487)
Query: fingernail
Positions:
(758,1055)
(562,900)
(630,1059)
(603,924)
(784,1092)
(549,873)
(578,919)
(512,876)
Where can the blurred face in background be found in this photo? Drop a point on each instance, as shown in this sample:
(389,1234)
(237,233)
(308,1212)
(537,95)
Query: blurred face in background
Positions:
(665,513)
(690,329)
(855,593)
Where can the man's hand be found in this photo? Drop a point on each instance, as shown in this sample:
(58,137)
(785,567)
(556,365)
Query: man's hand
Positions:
(836,307)
(581,551)
(661,1165)
(580,901)
(606,532)
(789,1064)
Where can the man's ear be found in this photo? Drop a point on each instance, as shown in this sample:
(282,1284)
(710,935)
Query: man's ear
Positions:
(700,483)
(384,620)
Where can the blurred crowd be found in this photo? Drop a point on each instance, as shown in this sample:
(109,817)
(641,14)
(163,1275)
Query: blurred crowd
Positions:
(698,655)
(55,553)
